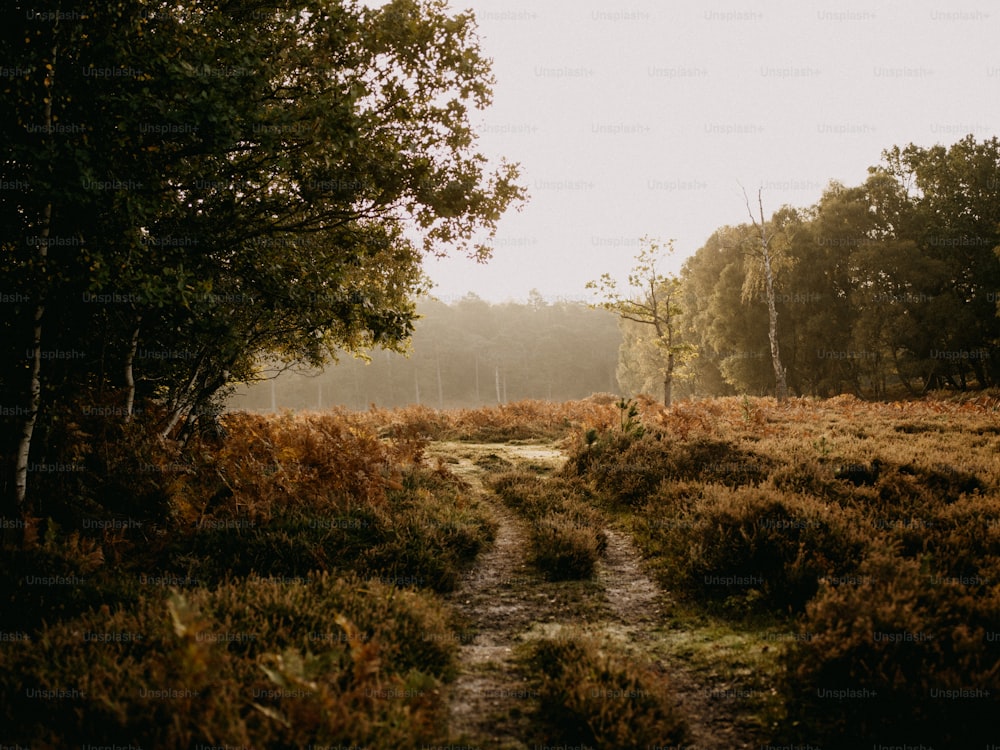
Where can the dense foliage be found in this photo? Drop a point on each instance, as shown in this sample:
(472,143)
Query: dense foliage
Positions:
(188,186)
(567,533)
(280,595)
(853,548)
(597,697)
(886,288)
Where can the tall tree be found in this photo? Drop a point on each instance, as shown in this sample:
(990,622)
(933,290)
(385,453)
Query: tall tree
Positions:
(952,215)
(838,227)
(226,181)
(702,301)
(769,245)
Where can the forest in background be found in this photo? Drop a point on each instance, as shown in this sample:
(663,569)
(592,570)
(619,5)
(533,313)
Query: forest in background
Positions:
(464,355)
(884,289)
(887,289)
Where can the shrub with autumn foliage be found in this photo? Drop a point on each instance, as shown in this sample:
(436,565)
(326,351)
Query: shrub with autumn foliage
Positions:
(874,529)
(327,534)
(521,420)
(293,494)
(567,531)
(897,656)
(748,548)
(596,696)
(255,663)
(270,600)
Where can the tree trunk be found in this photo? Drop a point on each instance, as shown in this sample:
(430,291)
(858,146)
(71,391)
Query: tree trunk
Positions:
(175,417)
(899,374)
(437,361)
(183,401)
(479,401)
(35,387)
(931,381)
(197,414)
(668,380)
(129,374)
(781,388)
(979,371)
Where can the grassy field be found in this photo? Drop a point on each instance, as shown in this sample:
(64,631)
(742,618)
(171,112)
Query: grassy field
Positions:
(732,570)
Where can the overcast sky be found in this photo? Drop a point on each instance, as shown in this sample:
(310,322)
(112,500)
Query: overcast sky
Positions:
(643,118)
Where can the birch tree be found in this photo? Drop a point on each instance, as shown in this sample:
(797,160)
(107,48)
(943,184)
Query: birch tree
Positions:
(767,246)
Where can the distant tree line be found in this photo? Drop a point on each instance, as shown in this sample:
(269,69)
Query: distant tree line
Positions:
(467,354)
(888,288)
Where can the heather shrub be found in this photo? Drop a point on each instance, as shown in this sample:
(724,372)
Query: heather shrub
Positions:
(422,534)
(55,577)
(268,465)
(564,548)
(289,545)
(521,420)
(749,548)
(128,676)
(105,469)
(956,540)
(126,477)
(524,491)
(567,532)
(628,469)
(895,658)
(578,509)
(400,423)
(593,697)
(292,494)
(431,530)
(811,477)
(945,482)
(494,463)
(412,628)
(923,510)
(891,493)
(264,664)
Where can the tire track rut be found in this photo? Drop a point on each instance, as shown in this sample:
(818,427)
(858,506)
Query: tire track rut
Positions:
(505,601)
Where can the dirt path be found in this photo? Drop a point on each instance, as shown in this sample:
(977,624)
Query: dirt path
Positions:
(638,605)
(505,601)
(501,598)
(491,695)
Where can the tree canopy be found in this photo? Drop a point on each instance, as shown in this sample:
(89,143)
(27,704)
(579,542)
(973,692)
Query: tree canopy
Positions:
(187,186)
(886,288)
